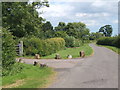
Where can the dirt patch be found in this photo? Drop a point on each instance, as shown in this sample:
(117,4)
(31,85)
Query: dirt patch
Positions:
(17,83)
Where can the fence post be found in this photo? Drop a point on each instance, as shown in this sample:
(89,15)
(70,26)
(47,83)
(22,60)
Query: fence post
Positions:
(21,48)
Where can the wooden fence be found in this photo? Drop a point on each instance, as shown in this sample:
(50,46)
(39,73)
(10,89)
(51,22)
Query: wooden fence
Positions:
(19,48)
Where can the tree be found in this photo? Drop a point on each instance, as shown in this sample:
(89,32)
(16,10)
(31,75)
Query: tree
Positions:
(47,26)
(95,35)
(62,34)
(77,30)
(61,27)
(21,18)
(47,30)
(106,30)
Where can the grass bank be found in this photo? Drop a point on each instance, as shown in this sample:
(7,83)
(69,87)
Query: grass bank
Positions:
(72,51)
(115,49)
(30,77)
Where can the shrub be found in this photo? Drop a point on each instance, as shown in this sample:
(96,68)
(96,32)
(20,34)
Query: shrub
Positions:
(77,43)
(116,41)
(111,41)
(70,41)
(53,45)
(8,50)
(16,68)
(32,46)
(9,66)
(35,45)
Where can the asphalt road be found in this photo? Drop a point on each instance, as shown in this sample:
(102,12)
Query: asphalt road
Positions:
(97,71)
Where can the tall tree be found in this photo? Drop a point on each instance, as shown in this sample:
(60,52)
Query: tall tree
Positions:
(21,18)
(106,30)
(77,30)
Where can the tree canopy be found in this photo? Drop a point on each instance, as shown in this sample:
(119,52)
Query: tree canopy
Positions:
(106,30)
(21,18)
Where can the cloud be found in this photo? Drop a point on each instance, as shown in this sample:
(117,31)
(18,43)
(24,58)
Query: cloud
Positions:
(98,3)
(82,0)
(90,22)
(115,21)
(92,14)
(56,10)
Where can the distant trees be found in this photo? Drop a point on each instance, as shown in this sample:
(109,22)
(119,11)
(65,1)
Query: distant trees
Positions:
(95,35)
(61,27)
(106,30)
(47,26)
(47,30)
(75,29)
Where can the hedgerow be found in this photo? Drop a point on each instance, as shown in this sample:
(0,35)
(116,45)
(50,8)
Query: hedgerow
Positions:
(43,47)
(110,41)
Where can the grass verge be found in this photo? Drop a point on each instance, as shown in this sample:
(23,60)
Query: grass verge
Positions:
(30,77)
(115,49)
(72,51)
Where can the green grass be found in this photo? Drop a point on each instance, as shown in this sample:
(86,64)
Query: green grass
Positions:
(115,49)
(68,51)
(72,51)
(34,77)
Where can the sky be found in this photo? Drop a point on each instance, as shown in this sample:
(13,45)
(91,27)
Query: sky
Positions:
(94,13)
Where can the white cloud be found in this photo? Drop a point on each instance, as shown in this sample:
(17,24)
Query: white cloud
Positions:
(83,1)
(115,21)
(90,22)
(91,14)
(99,3)
(56,10)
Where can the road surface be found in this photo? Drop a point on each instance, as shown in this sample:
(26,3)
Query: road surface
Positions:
(97,71)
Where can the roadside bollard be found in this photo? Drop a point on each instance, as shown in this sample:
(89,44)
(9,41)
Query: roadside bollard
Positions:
(82,54)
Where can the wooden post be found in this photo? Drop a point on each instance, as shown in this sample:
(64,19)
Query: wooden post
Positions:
(21,48)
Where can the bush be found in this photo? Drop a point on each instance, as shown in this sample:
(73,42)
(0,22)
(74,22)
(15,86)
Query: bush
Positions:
(9,66)
(32,46)
(110,41)
(116,42)
(53,45)
(16,68)
(8,50)
(35,45)
(70,41)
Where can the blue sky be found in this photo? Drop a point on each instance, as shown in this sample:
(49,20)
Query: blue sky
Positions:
(94,13)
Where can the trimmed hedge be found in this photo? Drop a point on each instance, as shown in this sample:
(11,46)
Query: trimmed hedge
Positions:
(53,45)
(35,45)
(110,41)
(72,42)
